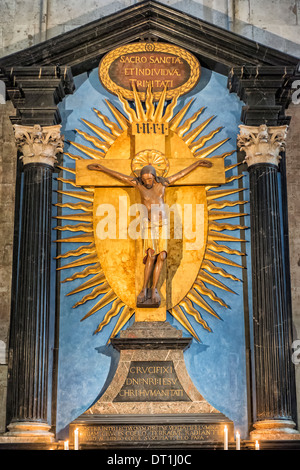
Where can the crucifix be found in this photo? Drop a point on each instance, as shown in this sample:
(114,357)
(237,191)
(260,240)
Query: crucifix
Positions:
(150,144)
(154,231)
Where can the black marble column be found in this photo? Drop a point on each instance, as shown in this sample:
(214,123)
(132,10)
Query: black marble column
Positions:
(30,338)
(272,321)
(272,325)
(35,92)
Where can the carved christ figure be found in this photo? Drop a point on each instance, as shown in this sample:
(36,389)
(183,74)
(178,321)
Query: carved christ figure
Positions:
(152,190)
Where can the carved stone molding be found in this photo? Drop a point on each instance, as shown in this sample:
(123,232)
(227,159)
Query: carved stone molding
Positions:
(262,144)
(39,144)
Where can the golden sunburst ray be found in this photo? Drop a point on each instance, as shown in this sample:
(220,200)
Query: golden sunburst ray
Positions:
(107,298)
(203,140)
(200,287)
(180,316)
(210,267)
(222,237)
(90,259)
(150,109)
(114,310)
(129,111)
(208,278)
(102,289)
(211,245)
(191,136)
(170,109)
(120,118)
(140,114)
(96,280)
(96,269)
(82,250)
(222,193)
(79,217)
(225,154)
(82,206)
(84,238)
(65,168)
(189,308)
(124,317)
(208,150)
(75,228)
(198,300)
(223,204)
(77,195)
(231,167)
(96,154)
(106,136)
(220,227)
(94,140)
(73,157)
(217,215)
(185,127)
(230,179)
(209,255)
(160,106)
(114,128)
(175,121)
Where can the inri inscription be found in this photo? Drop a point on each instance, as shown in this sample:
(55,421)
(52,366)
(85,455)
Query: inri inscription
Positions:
(151,381)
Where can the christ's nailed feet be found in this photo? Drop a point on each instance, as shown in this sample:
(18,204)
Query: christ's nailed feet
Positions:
(155,297)
(142,296)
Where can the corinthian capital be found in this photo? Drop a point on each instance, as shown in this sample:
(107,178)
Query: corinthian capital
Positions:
(262,144)
(39,144)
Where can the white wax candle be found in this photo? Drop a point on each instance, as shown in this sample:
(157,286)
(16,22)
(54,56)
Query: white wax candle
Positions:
(225,438)
(256,445)
(76,439)
(238,441)
(66,445)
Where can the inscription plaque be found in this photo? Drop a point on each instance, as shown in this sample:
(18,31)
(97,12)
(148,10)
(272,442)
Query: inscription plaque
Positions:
(151,381)
(147,432)
(143,64)
(106,430)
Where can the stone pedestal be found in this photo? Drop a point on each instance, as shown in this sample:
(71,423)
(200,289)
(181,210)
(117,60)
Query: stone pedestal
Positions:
(151,400)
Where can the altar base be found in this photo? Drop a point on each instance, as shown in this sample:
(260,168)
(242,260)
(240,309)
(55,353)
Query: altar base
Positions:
(151,401)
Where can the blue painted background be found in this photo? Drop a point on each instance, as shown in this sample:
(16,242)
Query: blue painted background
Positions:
(217,365)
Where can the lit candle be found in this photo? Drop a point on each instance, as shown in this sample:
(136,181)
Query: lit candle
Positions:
(238,441)
(66,445)
(225,438)
(76,439)
(256,445)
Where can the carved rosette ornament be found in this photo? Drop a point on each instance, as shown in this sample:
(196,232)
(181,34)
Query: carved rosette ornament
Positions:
(39,144)
(262,144)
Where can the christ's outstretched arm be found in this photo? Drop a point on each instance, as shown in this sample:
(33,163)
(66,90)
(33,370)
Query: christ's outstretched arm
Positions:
(205,163)
(120,176)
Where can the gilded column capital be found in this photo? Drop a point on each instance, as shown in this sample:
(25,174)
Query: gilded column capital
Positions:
(262,144)
(39,144)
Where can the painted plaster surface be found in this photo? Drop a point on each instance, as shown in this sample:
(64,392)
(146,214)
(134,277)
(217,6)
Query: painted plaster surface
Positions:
(217,365)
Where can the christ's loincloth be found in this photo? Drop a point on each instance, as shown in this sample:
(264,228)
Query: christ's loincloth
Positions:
(155,237)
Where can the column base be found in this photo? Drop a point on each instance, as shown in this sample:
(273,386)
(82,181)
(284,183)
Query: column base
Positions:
(28,431)
(275,429)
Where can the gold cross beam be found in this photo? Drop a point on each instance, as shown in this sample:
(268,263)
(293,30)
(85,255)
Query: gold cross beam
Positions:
(200,176)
